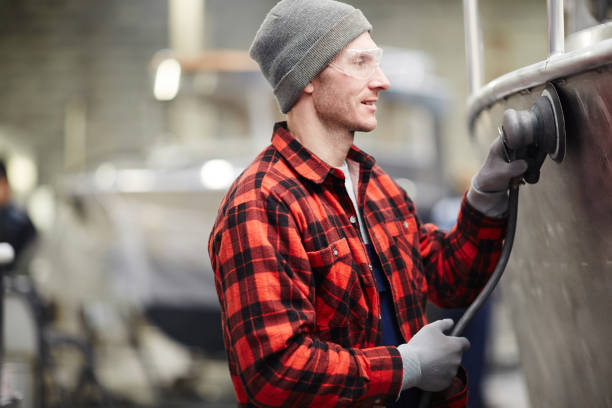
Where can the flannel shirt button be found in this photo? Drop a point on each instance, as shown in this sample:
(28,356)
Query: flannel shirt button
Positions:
(353,219)
(371,267)
(405,224)
(335,252)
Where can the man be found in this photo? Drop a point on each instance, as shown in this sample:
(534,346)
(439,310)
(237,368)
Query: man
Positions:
(322,267)
(15,225)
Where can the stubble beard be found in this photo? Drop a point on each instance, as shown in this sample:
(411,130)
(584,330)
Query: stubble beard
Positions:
(338,114)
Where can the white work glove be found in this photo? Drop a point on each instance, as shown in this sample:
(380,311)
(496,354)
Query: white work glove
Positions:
(431,358)
(488,192)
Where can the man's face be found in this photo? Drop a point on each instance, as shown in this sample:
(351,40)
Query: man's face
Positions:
(344,101)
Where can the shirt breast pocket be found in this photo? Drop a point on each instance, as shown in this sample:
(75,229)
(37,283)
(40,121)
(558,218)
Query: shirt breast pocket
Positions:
(406,243)
(339,298)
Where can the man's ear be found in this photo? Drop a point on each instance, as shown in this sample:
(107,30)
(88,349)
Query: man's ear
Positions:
(309,89)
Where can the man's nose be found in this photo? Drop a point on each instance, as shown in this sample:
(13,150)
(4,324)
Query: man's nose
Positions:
(379,80)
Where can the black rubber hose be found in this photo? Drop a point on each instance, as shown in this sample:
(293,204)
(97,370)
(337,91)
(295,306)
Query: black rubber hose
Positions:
(471,311)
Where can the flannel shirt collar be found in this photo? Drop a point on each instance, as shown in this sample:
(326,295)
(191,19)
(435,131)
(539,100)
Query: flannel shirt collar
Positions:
(308,165)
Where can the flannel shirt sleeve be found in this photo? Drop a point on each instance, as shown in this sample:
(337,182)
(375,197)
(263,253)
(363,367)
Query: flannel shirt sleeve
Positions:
(266,289)
(458,264)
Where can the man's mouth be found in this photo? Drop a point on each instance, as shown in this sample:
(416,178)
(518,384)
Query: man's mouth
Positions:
(369,102)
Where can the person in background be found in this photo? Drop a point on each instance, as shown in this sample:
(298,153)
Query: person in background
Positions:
(16,228)
(322,266)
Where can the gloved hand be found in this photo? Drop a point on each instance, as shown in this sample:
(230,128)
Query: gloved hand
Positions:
(488,192)
(431,358)
(495,174)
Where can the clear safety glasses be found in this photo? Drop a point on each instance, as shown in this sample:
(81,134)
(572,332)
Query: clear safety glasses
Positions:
(360,64)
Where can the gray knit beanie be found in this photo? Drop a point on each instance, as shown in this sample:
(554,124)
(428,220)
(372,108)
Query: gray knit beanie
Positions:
(298,38)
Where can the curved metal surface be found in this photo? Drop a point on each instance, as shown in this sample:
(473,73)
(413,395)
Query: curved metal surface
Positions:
(588,36)
(559,280)
(558,66)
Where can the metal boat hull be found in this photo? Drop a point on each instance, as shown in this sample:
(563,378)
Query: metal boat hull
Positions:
(559,280)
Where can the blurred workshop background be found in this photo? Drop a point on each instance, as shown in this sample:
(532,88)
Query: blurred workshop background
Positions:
(122,122)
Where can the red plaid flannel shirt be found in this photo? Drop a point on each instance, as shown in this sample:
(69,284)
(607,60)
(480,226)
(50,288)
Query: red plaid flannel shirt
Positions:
(300,309)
